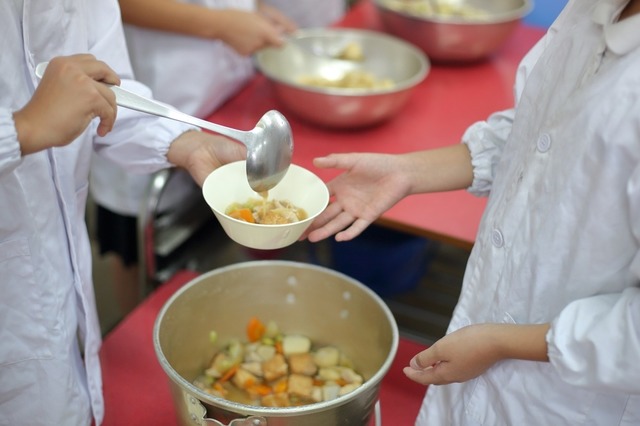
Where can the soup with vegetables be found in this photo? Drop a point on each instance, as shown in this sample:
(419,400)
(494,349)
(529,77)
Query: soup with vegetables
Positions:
(266,212)
(274,369)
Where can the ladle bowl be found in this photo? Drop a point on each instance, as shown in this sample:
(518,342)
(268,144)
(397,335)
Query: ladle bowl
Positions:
(269,144)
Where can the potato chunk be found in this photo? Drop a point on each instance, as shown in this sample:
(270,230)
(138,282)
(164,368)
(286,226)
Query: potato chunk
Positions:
(294,344)
(300,385)
(275,367)
(327,356)
(302,364)
(243,378)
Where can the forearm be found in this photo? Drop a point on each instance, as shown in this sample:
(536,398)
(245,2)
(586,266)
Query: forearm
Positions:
(469,351)
(442,169)
(172,16)
(524,342)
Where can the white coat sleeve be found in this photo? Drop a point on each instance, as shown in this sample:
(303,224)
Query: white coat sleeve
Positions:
(138,142)
(595,342)
(10,155)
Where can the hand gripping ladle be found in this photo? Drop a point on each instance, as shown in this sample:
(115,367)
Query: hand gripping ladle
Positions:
(269,144)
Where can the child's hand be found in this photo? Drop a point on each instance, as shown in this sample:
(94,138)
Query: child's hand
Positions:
(247,32)
(70,95)
(285,24)
(468,352)
(201,152)
(370,185)
(460,356)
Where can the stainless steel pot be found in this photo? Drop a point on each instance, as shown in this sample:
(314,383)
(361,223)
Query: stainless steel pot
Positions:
(325,305)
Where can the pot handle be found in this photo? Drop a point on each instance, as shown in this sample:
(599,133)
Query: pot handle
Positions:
(378,414)
(197,413)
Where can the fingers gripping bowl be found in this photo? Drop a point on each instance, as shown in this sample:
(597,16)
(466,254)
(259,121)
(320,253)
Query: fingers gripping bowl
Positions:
(228,185)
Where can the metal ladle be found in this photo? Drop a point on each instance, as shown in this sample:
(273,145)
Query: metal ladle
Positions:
(269,144)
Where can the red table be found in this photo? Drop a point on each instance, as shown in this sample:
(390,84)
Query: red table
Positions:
(441,108)
(136,389)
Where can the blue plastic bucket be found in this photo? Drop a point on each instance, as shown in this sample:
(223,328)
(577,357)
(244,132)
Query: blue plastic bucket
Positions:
(387,261)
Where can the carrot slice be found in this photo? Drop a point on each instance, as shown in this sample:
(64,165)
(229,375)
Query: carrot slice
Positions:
(255,329)
(229,373)
(280,387)
(259,389)
(243,214)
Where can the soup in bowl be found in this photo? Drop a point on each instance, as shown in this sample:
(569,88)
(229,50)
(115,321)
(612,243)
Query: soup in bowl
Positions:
(240,209)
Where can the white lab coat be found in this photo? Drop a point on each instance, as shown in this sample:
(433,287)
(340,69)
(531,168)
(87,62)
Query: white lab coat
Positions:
(47,307)
(560,239)
(196,76)
(311,13)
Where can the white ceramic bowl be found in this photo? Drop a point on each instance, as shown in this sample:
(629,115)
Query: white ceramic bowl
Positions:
(228,184)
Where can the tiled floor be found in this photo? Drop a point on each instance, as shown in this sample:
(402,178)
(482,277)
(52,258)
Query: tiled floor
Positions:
(421,310)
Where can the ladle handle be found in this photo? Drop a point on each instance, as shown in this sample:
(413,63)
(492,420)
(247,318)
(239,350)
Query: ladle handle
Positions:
(136,102)
(133,101)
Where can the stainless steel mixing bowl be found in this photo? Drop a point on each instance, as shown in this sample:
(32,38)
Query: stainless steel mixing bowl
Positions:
(385,57)
(455,38)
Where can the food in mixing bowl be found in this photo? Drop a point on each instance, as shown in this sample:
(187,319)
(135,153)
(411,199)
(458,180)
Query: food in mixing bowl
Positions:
(442,9)
(351,52)
(356,79)
(266,212)
(274,369)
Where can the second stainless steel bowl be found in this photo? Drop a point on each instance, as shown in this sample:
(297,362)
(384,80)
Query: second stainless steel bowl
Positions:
(385,57)
(447,38)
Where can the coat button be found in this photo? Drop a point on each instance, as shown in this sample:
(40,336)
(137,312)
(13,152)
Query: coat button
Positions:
(544,143)
(496,238)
